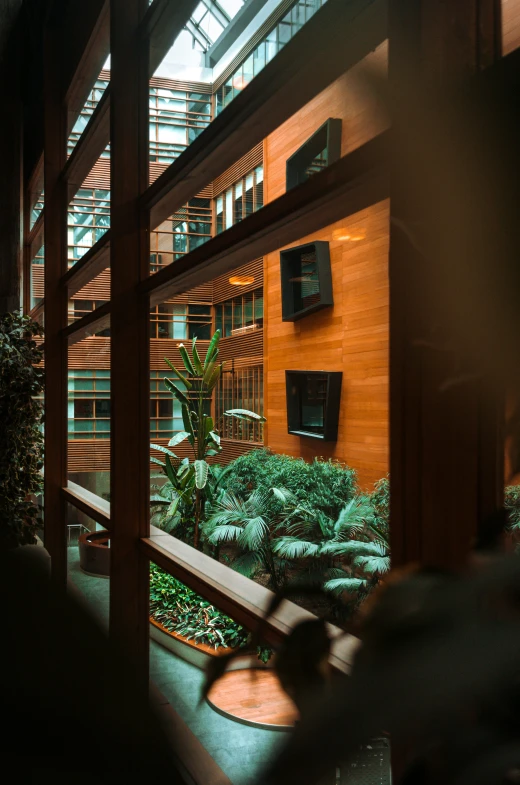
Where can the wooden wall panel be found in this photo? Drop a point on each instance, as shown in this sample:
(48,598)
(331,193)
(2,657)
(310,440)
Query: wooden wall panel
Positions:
(510,25)
(353,336)
(348,98)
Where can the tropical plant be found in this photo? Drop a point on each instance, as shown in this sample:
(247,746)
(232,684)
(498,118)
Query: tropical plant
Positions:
(189,483)
(512,505)
(324,485)
(345,555)
(179,609)
(362,545)
(252,525)
(21,440)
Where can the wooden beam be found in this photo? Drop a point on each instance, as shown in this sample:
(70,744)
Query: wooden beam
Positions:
(94,506)
(351,184)
(238,596)
(130,336)
(162,24)
(89,147)
(91,61)
(241,598)
(88,325)
(55,155)
(36,237)
(35,184)
(93,263)
(37,313)
(339,36)
(446,449)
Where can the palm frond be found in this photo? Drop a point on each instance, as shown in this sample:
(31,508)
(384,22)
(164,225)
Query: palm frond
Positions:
(373,564)
(339,585)
(351,548)
(225,532)
(249,563)
(356,514)
(295,548)
(254,532)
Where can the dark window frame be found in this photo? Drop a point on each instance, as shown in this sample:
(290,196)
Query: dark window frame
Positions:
(290,263)
(294,381)
(328,138)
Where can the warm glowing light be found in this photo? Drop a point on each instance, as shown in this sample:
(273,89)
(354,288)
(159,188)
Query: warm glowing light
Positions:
(353,235)
(239,82)
(241,280)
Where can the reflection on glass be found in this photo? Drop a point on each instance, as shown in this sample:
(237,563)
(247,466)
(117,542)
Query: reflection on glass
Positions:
(304,280)
(313,396)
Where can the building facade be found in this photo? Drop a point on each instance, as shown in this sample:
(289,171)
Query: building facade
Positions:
(348,337)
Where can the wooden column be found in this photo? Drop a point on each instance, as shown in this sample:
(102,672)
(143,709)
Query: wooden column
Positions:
(55,155)
(130,366)
(11,191)
(445,423)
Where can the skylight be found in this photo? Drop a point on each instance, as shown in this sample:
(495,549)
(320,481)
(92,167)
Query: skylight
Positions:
(210,19)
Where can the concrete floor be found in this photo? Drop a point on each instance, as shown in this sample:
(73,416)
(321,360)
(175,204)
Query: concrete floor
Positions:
(239,750)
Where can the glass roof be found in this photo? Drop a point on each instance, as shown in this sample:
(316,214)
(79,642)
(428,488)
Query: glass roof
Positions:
(210,19)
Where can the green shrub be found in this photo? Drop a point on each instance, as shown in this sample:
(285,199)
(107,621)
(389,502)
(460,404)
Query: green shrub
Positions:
(380,500)
(181,610)
(512,504)
(21,440)
(324,485)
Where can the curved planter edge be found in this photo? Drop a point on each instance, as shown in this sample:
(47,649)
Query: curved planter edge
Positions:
(198,655)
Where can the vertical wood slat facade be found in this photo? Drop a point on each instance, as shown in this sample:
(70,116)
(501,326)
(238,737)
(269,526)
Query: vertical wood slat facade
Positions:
(56,306)
(130,387)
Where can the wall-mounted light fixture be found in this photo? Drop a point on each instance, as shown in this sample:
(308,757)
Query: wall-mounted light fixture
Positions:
(343,234)
(241,280)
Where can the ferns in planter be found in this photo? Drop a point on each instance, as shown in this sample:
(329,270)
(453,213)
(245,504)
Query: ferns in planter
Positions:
(181,610)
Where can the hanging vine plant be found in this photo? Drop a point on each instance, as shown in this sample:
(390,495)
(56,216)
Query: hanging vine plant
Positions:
(21,439)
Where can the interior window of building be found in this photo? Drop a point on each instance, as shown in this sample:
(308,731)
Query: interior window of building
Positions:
(180,321)
(242,314)
(89,404)
(94,97)
(177,117)
(244,197)
(299,13)
(240,388)
(88,220)
(188,228)
(165,410)
(80,308)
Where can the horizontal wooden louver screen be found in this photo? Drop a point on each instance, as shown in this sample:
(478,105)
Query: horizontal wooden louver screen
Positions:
(248,347)
(242,167)
(97,289)
(93,455)
(223,290)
